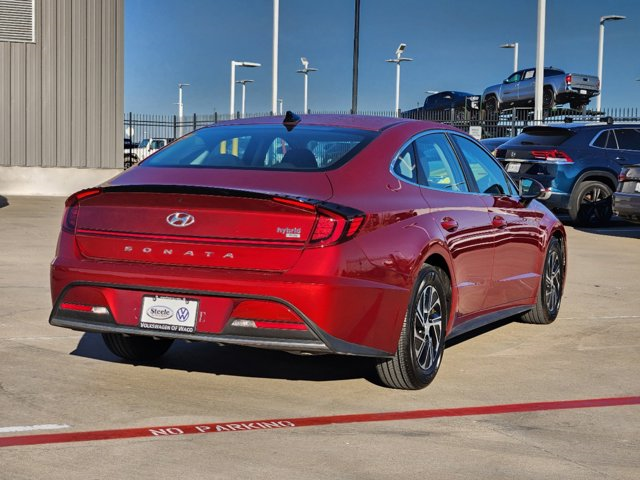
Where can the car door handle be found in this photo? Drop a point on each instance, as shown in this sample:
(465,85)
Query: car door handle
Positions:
(499,222)
(449,224)
(621,159)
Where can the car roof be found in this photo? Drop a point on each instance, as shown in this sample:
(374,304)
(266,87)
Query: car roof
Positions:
(586,125)
(362,122)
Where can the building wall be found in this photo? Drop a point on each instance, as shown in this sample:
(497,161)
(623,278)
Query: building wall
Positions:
(62,97)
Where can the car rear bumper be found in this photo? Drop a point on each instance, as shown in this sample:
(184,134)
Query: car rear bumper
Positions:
(329,314)
(627,205)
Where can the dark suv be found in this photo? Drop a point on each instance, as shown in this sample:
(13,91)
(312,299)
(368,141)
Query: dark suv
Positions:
(578,163)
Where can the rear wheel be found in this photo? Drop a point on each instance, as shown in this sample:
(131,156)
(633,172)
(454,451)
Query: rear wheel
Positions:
(591,204)
(135,347)
(548,99)
(491,107)
(550,291)
(421,343)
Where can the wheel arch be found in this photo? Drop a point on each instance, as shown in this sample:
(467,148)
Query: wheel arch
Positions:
(605,176)
(438,256)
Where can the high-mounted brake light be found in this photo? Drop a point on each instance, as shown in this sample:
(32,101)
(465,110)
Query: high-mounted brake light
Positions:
(551,155)
(568,79)
(72,205)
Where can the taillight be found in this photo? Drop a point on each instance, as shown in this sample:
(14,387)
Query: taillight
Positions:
(551,155)
(72,207)
(332,226)
(568,79)
(500,153)
(623,175)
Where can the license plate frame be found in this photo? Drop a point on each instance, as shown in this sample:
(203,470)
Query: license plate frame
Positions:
(169,314)
(513,167)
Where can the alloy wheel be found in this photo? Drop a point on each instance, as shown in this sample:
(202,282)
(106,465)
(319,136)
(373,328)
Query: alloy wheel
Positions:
(595,205)
(553,281)
(427,328)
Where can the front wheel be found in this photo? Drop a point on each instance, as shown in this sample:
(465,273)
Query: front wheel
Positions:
(136,347)
(421,344)
(591,204)
(547,304)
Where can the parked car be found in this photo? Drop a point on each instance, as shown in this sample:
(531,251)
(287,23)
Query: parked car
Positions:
(518,90)
(412,236)
(493,143)
(578,163)
(442,103)
(626,200)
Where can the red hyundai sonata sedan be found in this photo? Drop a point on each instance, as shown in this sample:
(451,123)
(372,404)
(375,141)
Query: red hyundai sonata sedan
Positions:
(377,237)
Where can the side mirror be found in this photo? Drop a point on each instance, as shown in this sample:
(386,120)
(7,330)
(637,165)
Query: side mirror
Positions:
(506,80)
(529,189)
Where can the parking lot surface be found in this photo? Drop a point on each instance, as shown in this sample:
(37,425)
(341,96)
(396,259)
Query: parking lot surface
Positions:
(576,383)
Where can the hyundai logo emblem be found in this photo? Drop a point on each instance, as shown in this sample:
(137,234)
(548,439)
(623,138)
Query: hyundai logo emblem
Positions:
(180,219)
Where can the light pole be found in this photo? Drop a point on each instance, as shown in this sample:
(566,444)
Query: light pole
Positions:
(398,60)
(274,87)
(180,105)
(280,102)
(244,87)
(539,83)
(234,64)
(601,53)
(515,53)
(305,71)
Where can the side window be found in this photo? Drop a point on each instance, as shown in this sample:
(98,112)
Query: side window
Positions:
(439,167)
(489,176)
(405,165)
(529,74)
(601,139)
(628,139)
(612,143)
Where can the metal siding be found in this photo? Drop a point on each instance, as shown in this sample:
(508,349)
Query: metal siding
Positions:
(5,104)
(61,99)
(119,91)
(94,83)
(18,104)
(34,95)
(79,83)
(49,40)
(63,91)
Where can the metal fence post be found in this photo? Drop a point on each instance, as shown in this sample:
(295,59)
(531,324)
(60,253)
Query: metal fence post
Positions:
(175,127)
(195,121)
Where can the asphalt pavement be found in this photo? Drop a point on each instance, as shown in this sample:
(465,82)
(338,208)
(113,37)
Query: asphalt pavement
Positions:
(519,401)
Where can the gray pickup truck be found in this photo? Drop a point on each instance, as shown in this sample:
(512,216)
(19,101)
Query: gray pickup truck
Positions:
(559,87)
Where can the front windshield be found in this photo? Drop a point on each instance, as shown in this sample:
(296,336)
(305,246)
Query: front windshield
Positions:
(263,147)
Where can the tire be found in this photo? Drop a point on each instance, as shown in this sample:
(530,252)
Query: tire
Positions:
(135,347)
(548,99)
(417,359)
(491,107)
(549,297)
(591,204)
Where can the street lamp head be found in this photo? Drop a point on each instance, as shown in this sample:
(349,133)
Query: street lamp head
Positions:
(401,48)
(250,64)
(244,82)
(305,62)
(508,45)
(180,85)
(611,17)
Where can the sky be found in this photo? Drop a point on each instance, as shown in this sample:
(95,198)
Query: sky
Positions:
(454,45)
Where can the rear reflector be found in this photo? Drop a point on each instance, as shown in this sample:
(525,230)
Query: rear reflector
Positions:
(240,322)
(568,79)
(84,308)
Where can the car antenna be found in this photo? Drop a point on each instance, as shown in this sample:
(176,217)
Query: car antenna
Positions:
(291,120)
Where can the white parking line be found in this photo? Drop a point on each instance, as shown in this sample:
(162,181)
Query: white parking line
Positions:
(31,428)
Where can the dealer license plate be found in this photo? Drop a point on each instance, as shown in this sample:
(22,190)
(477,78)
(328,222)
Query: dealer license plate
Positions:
(513,167)
(638,187)
(170,314)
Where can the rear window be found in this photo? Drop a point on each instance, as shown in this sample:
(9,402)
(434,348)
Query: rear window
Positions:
(541,136)
(269,147)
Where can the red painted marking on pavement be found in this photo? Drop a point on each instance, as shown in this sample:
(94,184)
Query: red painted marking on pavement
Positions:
(311,421)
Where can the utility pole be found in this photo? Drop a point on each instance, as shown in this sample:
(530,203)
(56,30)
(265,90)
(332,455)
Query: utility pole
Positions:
(356,54)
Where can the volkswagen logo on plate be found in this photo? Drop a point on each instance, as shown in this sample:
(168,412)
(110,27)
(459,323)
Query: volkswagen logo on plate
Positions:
(180,219)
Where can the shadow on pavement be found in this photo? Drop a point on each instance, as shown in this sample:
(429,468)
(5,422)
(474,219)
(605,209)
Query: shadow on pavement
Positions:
(615,228)
(240,361)
(3,202)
